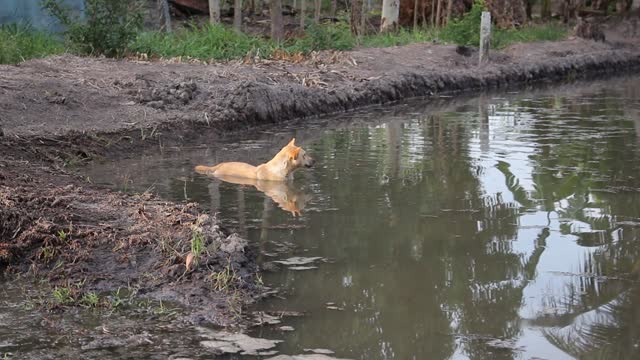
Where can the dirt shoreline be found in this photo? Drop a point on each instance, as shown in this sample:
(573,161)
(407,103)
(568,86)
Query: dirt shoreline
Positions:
(67,110)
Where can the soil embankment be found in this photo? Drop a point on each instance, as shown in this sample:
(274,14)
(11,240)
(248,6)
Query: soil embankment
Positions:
(69,110)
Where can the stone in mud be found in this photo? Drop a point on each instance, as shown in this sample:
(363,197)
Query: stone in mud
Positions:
(233,244)
(286,328)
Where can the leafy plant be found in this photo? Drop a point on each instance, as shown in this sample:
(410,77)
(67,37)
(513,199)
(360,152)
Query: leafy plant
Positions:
(107,27)
(465,31)
(90,300)
(20,42)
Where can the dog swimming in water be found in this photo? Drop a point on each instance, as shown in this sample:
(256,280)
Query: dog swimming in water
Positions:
(280,168)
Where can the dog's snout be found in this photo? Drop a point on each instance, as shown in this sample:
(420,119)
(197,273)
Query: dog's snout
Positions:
(310,162)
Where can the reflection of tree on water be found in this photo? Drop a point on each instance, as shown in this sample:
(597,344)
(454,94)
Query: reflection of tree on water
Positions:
(572,178)
(406,233)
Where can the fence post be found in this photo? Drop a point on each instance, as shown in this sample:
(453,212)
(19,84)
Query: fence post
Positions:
(485,36)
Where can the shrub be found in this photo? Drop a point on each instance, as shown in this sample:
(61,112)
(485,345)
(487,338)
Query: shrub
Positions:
(21,42)
(107,26)
(465,31)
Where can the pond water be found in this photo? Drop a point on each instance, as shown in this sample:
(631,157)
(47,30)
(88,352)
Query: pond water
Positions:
(499,227)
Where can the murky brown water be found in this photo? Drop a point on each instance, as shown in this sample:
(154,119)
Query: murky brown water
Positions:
(493,227)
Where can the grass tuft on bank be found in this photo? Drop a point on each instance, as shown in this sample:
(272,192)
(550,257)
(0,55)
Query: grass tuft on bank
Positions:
(21,42)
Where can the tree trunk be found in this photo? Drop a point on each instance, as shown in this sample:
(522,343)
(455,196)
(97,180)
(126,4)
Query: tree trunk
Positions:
(303,10)
(316,13)
(529,9)
(390,12)
(237,15)
(415,15)
(449,5)
(214,11)
(545,9)
(507,14)
(334,7)
(356,17)
(277,31)
(433,13)
(438,12)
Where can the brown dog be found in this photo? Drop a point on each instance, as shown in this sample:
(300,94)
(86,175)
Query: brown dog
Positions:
(280,168)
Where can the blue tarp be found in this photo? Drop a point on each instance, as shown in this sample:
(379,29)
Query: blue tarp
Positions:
(31,12)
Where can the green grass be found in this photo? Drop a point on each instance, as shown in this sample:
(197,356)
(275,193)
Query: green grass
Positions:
(90,300)
(402,37)
(545,32)
(208,42)
(21,42)
(63,296)
(216,42)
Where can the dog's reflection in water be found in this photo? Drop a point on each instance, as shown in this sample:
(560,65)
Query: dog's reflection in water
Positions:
(285,194)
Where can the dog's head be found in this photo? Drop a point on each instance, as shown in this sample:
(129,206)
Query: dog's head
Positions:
(296,156)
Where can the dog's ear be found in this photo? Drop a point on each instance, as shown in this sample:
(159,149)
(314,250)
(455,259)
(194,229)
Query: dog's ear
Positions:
(292,142)
(293,153)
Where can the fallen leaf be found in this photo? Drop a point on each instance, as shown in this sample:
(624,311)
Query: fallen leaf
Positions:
(189,261)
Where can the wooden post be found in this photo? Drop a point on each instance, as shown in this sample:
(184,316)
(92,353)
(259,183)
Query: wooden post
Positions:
(485,36)
(237,15)
(214,11)
(166,15)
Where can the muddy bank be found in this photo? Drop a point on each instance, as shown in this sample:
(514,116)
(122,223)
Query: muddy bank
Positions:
(82,239)
(142,100)
(62,112)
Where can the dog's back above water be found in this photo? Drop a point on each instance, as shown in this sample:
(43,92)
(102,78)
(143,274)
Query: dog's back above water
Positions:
(280,168)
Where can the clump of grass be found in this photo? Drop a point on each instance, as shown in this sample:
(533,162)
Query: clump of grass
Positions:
(90,300)
(197,241)
(322,37)
(207,42)
(401,37)
(544,32)
(21,42)
(225,280)
(63,296)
